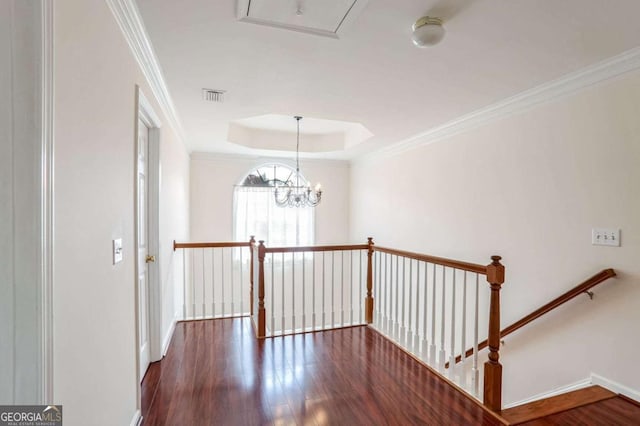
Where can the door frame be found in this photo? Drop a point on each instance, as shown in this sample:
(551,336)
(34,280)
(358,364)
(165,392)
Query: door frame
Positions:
(47,201)
(34,75)
(146,114)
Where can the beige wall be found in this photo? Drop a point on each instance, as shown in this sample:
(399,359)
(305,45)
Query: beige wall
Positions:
(213,178)
(530,188)
(94,301)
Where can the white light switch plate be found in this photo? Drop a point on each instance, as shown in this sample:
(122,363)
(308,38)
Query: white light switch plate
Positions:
(605,237)
(117,251)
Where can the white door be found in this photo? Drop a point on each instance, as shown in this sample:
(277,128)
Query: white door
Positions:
(143,244)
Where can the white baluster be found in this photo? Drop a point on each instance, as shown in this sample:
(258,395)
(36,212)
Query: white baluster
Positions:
(204,309)
(362,283)
(313,291)
(222,279)
(376,288)
(409,340)
(396,326)
(213,284)
(351,284)
(242,293)
(475,373)
(324,312)
(233,309)
(441,353)
(463,334)
(416,331)
(425,342)
(184,284)
(304,301)
(378,294)
(403,319)
(333,300)
(273,296)
(432,346)
(452,350)
(388,260)
(282,293)
(293,292)
(342,288)
(382,289)
(193,285)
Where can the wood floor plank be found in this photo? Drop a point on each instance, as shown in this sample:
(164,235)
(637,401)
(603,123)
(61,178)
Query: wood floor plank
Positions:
(556,404)
(216,372)
(613,411)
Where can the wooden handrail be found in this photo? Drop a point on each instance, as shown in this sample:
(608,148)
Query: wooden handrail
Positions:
(210,245)
(457,264)
(598,278)
(317,248)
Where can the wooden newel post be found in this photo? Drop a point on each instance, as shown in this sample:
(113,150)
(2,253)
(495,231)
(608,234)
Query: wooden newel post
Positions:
(493,368)
(368,301)
(262,322)
(252,244)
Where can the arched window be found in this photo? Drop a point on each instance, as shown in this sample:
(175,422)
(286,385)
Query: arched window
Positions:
(256,213)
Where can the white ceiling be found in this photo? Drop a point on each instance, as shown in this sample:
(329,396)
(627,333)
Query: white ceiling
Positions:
(372,74)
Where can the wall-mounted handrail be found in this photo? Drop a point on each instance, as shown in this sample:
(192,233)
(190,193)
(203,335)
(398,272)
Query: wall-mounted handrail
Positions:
(457,264)
(598,278)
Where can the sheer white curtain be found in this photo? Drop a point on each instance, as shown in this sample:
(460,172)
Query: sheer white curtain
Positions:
(256,213)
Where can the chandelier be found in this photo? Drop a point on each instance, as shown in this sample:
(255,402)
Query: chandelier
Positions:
(290,195)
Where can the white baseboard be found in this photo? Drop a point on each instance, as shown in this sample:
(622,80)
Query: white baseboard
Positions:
(615,387)
(137,419)
(167,338)
(558,391)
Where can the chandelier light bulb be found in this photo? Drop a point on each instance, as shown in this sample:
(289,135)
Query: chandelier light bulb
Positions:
(427,31)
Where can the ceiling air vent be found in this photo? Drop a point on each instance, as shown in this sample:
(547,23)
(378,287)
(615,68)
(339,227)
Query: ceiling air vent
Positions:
(211,95)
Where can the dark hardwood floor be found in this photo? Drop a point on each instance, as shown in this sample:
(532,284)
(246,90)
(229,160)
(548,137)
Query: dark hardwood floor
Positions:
(217,373)
(613,411)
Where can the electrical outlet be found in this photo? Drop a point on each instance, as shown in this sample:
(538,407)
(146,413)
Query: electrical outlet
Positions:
(605,237)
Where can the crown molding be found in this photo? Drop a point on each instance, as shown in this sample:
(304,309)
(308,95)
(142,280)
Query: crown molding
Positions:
(546,92)
(130,22)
